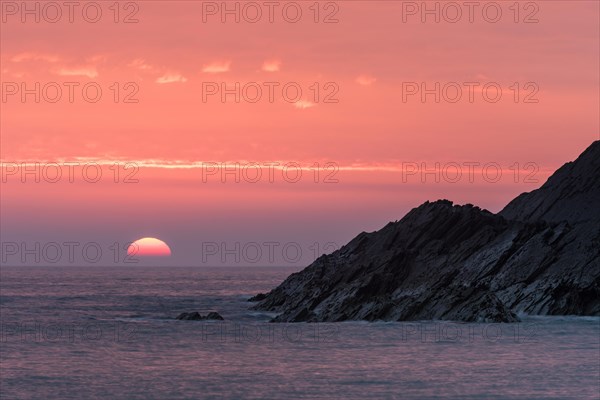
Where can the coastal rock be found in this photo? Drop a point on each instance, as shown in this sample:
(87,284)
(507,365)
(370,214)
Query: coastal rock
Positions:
(540,255)
(571,194)
(258,297)
(195,316)
(214,316)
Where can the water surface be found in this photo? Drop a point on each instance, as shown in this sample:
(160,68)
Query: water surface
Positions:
(90,332)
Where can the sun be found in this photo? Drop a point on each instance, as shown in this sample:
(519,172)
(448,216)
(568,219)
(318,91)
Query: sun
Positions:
(149,246)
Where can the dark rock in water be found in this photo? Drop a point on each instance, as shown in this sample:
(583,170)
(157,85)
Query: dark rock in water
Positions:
(540,255)
(258,297)
(214,316)
(195,316)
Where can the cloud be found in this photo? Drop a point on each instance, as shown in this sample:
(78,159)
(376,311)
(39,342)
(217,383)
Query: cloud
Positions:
(304,104)
(14,74)
(216,67)
(171,78)
(140,63)
(366,80)
(165,76)
(89,71)
(27,56)
(271,66)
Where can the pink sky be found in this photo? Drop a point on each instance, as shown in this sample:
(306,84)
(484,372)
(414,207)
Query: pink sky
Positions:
(367,59)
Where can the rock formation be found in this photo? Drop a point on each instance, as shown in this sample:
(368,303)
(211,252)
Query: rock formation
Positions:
(195,316)
(540,255)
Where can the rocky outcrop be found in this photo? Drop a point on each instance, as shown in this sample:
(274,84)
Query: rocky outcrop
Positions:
(540,255)
(571,194)
(195,316)
(258,297)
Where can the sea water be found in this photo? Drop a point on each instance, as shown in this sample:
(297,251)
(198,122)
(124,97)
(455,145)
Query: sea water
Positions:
(111,333)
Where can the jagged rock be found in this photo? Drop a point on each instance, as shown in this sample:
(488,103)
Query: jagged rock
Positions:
(258,297)
(214,316)
(195,316)
(540,255)
(571,194)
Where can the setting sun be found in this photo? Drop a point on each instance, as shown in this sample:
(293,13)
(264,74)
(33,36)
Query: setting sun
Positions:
(149,247)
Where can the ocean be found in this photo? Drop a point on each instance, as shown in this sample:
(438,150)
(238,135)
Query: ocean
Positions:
(111,333)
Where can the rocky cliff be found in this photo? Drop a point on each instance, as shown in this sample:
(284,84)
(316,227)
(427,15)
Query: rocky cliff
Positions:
(540,255)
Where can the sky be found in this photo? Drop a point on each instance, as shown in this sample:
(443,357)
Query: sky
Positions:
(273,132)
